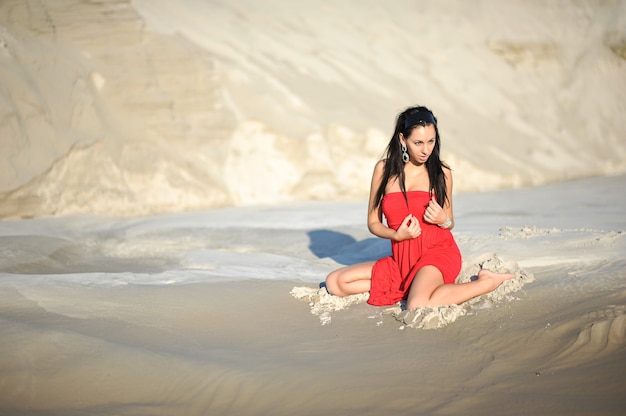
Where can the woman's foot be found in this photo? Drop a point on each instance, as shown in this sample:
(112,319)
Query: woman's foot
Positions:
(495,279)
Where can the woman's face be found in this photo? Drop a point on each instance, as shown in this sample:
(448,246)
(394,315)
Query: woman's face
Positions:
(420,143)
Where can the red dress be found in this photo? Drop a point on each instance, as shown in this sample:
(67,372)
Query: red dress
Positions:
(392,276)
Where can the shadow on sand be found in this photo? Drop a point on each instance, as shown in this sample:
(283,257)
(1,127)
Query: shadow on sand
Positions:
(344,249)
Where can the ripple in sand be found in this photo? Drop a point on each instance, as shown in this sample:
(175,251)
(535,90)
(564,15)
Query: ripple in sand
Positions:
(602,335)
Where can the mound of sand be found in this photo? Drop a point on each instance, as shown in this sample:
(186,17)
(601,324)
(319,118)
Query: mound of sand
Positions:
(323,304)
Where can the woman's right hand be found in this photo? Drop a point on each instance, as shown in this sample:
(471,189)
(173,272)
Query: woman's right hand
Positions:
(410,228)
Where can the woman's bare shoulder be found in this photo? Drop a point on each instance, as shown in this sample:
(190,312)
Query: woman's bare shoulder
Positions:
(379,168)
(378,174)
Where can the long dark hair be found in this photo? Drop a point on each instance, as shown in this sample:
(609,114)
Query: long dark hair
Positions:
(394,165)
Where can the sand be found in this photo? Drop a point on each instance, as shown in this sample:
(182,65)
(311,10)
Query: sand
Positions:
(96,319)
(150,106)
(178,177)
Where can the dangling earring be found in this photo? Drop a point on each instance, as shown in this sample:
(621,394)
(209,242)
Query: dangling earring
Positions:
(405,155)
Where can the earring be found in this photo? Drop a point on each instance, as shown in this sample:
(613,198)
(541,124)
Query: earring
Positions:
(405,155)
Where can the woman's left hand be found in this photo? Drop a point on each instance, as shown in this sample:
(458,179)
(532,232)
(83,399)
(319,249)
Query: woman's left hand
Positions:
(434,214)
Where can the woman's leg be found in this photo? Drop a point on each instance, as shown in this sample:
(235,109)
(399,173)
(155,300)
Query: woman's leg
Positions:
(428,288)
(350,280)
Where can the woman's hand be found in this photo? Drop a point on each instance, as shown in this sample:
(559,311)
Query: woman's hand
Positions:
(434,214)
(410,228)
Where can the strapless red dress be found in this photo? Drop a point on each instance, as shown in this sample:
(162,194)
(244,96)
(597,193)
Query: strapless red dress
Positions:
(392,276)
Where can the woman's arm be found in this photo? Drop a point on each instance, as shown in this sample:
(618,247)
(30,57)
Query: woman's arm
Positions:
(448,205)
(409,228)
(435,213)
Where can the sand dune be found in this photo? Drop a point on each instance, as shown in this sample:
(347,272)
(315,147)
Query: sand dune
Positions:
(132,108)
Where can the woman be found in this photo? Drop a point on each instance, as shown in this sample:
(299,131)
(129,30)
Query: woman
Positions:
(412,189)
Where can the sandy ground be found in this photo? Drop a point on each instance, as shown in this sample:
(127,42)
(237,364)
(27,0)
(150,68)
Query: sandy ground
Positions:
(109,341)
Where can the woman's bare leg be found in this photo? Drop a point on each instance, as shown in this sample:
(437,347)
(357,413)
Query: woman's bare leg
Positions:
(350,280)
(428,288)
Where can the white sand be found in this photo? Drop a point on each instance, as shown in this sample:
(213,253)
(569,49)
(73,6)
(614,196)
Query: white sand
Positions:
(192,313)
(163,106)
(177,178)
